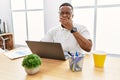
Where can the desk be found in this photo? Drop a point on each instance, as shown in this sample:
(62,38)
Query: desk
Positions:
(9,42)
(59,70)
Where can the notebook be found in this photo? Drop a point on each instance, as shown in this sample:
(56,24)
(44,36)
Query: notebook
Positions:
(47,50)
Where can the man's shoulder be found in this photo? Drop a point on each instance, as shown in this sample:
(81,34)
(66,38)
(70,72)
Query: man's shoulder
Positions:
(54,29)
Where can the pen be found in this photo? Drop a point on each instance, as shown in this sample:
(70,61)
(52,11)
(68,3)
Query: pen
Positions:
(71,61)
(77,58)
(70,53)
(76,54)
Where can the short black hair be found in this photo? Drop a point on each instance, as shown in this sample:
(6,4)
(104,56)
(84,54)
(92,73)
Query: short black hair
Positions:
(66,4)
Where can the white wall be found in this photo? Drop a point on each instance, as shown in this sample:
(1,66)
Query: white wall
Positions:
(51,12)
(5,13)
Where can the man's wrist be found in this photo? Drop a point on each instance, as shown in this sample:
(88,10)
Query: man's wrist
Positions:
(74,29)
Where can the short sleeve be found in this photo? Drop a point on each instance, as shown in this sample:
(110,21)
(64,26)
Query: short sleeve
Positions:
(83,30)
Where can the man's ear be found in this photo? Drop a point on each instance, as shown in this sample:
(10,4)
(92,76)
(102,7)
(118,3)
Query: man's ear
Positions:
(72,15)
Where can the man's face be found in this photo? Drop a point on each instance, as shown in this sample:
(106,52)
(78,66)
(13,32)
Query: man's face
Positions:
(65,12)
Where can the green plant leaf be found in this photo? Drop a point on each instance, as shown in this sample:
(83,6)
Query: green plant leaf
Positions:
(31,61)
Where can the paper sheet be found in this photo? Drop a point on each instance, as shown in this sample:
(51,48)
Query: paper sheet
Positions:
(17,53)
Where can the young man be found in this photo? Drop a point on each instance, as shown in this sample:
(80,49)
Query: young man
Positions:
(71,36)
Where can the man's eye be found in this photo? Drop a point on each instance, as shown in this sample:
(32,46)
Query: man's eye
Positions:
(67,13)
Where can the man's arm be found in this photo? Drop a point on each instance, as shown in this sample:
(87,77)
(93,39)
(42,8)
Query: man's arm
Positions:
(85,44)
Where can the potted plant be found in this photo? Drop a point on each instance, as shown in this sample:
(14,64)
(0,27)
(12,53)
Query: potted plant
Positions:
(31,63)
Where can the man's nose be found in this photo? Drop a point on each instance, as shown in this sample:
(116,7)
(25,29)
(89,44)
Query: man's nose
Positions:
(64,14)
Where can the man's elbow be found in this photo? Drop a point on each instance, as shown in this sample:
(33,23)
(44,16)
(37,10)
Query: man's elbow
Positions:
(89,48)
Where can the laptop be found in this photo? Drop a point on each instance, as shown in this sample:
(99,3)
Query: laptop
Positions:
(47,50)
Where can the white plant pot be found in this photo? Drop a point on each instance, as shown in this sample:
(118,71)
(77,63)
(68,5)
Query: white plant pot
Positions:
(32,70)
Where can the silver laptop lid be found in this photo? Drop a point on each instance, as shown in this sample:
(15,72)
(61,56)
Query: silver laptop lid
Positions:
(47,49)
